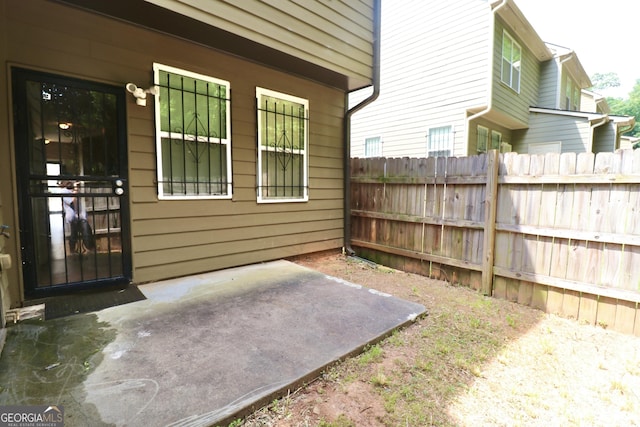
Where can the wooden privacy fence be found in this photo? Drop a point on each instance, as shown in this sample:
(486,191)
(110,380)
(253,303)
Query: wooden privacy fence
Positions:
(559,232)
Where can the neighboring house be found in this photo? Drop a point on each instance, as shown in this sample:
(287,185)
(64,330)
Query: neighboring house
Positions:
(463,76)
(609,137)
(594,102)
(559,131)
(581,120)
(189,136)
(629,142)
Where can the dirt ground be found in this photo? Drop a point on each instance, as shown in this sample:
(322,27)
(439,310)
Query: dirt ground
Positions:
(471,361)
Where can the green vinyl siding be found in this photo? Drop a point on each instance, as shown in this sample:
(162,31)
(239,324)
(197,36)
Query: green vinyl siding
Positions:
(574,133)
(505,99)
(604,138)
(549,75)
(335,35)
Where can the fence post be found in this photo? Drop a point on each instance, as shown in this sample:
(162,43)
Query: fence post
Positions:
(491,199)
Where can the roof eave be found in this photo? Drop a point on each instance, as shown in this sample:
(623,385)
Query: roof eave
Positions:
(577,71)
(147,15)
(518,23)
(582,114)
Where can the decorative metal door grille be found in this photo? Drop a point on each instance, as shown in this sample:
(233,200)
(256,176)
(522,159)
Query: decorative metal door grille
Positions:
(71,145)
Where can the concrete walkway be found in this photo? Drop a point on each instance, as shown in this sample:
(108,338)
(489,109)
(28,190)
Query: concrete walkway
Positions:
(199,351)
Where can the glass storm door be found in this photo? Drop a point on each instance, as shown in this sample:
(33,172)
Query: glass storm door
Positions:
(72,183)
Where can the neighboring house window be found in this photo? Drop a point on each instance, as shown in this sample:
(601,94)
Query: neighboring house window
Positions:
(511,62)
(483,139)
(193,134)
(440,142)
(571,95)
(496,140)
(373,147)
(282,147)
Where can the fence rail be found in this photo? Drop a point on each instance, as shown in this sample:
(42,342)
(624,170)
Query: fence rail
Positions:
(560,232)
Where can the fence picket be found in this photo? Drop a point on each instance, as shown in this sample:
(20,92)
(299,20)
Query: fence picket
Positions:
(544,249)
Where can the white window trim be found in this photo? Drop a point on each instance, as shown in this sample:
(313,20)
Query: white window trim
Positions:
(271,93)
(161,134)
(452,134)
(510,84)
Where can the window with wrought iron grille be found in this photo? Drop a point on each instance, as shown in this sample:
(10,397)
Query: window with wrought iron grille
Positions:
(440,142)
(511,62)
(283,135)
(373,147)
(193,134)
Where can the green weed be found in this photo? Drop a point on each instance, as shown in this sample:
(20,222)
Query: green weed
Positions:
(371,355)
(341,421)
(380,379)
(511,321)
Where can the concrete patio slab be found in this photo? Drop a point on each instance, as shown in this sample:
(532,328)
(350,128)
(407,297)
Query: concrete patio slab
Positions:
(199,351)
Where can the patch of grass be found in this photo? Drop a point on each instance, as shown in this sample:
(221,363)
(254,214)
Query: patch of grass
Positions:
(547,346)
(371,355)
(475,323)
(390,402)
(633,367)
(386,270)
(618,386)
(425,366)
(380,379)
(341,421)
(603,324)
(511,321)
(396,339)
(332,374)
(281,406)
(453,347)
(482,303)
(408,393)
